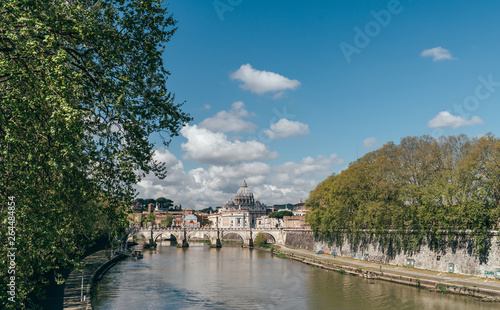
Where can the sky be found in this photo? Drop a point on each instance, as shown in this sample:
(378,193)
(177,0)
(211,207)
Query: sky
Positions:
(285,93)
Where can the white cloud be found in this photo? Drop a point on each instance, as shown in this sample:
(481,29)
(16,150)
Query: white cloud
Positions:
(207,106)
(261,82)
(230,121)
(286,129)
(164,156)
(437,53)
(214,148)
(446,119)
(371,143)
(213,186)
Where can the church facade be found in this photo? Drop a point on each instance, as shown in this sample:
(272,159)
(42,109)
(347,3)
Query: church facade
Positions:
(244,208)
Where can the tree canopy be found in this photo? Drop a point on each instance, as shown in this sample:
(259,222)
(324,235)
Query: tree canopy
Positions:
(260,239)
(430,187)
(281,214)
(167,222)
(82,87)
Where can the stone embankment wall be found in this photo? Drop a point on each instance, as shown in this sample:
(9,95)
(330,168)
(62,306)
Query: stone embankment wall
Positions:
(300,239)
(431,285)
(461,258)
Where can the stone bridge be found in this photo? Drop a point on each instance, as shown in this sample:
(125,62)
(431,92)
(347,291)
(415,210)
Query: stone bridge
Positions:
(215,235)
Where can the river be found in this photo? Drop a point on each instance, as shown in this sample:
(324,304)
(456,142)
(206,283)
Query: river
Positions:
(238,278)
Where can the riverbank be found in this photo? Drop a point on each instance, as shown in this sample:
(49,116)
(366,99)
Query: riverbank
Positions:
(484,289)
(79,283)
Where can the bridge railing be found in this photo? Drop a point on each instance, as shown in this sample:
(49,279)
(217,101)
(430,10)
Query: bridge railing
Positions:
(215,229)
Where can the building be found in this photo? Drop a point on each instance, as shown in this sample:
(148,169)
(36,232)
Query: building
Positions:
(296,221)
(245,201)
(230,219)
(266,222)
(242,212)
(191,221)
(284,207)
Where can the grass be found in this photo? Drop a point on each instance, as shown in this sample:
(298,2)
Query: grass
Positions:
(281,255)
(442,288)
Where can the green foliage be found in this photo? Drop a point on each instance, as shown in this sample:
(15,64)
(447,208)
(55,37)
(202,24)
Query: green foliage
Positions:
(82,86)
(167,222)
(268,246)
(150,218)
(207,210)
(260,239)
(280,214)
(164,202)
(206,222)
(422,188)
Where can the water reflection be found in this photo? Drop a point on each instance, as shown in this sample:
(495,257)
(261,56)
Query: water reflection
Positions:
(237,278)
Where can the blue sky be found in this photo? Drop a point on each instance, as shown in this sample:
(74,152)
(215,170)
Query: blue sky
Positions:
(284,93)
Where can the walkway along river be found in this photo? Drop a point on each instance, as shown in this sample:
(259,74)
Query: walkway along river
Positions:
(238,278)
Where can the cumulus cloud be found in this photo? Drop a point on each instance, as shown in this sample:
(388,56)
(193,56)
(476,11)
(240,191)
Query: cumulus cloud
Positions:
(285,129)
(214,148)
(437,53)
(371,143)
(225,121)
(446,119)
(213,186)
(261,82)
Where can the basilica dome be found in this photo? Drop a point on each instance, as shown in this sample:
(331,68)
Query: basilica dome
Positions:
(244,191)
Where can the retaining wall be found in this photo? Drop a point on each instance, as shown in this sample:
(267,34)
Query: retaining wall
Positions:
(460,258)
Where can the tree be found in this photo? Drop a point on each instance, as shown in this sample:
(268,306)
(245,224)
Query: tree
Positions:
(433,188)
(150,218)
(164,202)
(167,222)
(260,239)
(149,201)
(82,86)
(207,210)
(206,222)
(280,214)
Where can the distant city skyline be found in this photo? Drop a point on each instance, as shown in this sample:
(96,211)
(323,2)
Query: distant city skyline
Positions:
(283,94)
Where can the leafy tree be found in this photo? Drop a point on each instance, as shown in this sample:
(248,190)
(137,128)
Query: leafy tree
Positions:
(280,214)
(260,239)
(207,210)
(82,86)
(150,218)
(424,188)
(164,202)
(206,222)
(167,222)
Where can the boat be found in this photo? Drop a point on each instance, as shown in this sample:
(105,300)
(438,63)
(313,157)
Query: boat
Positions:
(137,254)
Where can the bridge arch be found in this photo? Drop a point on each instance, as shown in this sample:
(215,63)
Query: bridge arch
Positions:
(277,235)
(267,234)
(205,235)
(226,233)
(166,234)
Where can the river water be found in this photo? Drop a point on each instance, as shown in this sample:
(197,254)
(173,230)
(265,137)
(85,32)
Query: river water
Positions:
(238,278)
